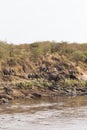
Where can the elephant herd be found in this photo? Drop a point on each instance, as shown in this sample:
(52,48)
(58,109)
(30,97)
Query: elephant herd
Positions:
(50,76)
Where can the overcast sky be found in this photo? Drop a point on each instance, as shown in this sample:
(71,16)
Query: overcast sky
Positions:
(28,21)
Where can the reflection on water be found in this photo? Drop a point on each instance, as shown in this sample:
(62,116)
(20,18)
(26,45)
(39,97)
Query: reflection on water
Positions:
(67,113)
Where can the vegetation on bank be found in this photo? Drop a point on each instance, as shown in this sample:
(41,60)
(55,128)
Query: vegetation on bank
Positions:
(74,51)
(60,68)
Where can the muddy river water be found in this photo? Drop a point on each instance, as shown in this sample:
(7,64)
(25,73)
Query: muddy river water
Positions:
(67,113)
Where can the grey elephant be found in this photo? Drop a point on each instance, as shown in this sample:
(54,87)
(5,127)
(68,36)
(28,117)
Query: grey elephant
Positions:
(8,71)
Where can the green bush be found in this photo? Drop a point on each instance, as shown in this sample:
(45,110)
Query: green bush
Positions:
(79,56)
(68,83)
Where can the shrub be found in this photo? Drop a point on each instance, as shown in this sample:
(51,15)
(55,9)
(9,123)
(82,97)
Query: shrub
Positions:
(79,56)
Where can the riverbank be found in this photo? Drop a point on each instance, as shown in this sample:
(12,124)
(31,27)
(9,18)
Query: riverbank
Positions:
(42,69)
(39,88)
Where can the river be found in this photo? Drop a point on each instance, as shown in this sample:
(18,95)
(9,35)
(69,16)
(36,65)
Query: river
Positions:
(62,113)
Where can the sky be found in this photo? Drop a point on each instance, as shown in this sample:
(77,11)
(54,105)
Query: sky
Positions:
(27,21)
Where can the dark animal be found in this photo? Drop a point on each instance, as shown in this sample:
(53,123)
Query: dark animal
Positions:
(32,76)
(73,76)
(8,71)
(44,69)
(54,77)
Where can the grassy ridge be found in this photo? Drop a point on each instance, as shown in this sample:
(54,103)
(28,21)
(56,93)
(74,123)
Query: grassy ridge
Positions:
(25,57)
(74,51)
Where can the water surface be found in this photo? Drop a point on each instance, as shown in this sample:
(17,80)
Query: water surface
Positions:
(67,113)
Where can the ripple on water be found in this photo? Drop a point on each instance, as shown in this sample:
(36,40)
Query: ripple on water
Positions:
(60,114)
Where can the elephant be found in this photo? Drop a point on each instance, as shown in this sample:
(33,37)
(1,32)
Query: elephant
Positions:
(8,71)
(33,75)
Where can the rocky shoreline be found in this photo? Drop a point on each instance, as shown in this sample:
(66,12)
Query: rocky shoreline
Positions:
(39,88)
